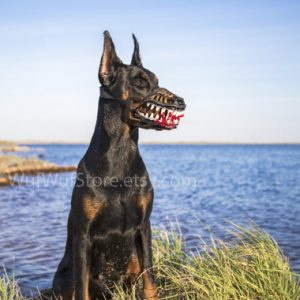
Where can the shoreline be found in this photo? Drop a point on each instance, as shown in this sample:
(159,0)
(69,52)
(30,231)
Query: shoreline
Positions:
(11,165)
(57,143)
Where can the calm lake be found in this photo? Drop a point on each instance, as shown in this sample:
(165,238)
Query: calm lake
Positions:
(198,186)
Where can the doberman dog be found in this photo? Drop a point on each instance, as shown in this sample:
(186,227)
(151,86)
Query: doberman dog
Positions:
(109,233)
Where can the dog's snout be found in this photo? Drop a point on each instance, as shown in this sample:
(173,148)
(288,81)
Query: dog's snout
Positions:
(178,101)
(170,98)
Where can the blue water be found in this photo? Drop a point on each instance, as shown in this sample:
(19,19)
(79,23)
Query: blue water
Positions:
(197,186)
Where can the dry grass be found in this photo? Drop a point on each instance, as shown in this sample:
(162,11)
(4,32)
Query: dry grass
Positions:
(9,289)
(252,266)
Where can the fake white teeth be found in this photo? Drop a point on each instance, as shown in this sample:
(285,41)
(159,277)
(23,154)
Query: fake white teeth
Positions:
(161,114)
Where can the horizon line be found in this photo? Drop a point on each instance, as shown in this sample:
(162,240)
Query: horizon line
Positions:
(62,142)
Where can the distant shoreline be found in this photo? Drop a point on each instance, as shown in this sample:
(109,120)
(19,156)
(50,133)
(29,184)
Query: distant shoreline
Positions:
(168,143)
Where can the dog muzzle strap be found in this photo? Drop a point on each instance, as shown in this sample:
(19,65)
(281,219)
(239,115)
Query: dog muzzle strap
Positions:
(129,108)
(105,95)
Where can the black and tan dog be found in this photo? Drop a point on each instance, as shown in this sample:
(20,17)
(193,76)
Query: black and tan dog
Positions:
(109,233)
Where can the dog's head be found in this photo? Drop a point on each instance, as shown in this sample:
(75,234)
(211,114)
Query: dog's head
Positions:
(145,104)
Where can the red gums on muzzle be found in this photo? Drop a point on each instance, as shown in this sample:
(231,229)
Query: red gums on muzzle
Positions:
(169,120)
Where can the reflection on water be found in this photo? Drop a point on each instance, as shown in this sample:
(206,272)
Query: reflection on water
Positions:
(195,185)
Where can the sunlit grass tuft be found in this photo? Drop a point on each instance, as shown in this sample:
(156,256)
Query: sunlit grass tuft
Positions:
(250,266)
(9,289)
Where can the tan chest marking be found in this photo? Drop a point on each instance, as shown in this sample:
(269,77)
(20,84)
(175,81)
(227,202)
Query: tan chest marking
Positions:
(125,94)
(143,201)
(87,277)
(134,269)
(92,207)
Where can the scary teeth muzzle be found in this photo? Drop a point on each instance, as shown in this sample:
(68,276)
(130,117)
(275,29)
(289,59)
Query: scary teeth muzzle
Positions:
(159,110)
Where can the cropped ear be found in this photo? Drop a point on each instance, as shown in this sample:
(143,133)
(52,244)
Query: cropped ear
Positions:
(136,57)
(109,61)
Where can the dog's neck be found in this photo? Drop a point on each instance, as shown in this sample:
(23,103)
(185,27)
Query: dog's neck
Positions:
(114,141)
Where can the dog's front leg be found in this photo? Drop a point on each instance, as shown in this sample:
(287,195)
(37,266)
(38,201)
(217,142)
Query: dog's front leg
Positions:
(81,265)
(150,291)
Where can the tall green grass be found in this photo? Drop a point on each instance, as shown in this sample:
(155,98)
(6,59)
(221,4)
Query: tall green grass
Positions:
(249,266)
(9,289)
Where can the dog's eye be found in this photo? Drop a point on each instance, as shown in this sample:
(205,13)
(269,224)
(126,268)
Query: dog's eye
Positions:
(140,83)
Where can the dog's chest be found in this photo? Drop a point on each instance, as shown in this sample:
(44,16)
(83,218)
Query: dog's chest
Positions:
(121,213)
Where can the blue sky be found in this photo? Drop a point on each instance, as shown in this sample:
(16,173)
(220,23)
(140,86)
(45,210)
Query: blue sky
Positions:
(236,63)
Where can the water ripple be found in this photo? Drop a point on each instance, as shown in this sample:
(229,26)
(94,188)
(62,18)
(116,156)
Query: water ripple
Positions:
(198,186)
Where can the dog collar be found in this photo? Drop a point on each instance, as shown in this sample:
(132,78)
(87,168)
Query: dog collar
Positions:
(106,96)
(129,106)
